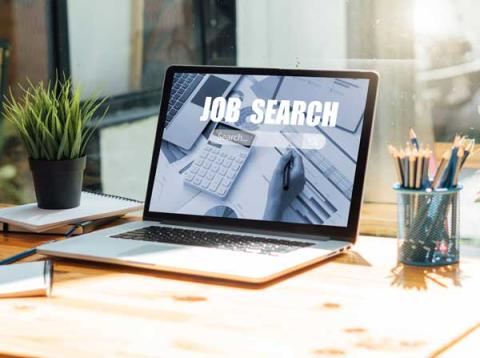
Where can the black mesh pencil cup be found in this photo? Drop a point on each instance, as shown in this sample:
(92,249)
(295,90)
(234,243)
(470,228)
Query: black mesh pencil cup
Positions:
(428,226)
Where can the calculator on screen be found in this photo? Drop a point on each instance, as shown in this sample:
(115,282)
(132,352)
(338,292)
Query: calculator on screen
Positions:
(220,160)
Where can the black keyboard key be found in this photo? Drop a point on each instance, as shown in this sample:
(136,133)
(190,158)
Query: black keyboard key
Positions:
(234,242)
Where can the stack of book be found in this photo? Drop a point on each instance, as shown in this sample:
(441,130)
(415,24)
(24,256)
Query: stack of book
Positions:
(95,210)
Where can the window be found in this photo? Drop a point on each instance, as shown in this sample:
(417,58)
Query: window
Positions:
(430,72)
(25,52)
(124,46)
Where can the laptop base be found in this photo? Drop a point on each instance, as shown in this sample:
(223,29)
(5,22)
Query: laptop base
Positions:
(217,263)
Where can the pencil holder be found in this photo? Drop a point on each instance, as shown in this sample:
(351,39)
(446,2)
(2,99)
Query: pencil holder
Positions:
(428,226)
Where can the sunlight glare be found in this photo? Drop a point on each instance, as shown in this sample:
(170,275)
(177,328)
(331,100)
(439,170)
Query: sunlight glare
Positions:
(434,18)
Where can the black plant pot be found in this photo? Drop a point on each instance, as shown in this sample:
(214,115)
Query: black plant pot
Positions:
(58,183)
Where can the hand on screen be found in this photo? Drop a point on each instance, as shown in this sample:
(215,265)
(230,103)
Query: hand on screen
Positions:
(279,195)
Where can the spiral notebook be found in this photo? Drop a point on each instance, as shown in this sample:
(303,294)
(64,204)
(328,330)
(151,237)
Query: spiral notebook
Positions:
(93,206)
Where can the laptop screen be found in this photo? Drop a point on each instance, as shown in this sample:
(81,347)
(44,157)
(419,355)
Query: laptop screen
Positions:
(272,148)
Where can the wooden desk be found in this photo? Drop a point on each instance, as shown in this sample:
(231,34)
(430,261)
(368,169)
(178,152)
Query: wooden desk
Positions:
(358,304)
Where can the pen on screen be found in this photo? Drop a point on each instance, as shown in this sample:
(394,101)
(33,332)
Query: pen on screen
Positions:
(286,174)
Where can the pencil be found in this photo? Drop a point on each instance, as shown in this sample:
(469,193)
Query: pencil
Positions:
(408,146)
(440,168)
(411,170)
(452,165)
(426,164)
(404,159)
(460,156)
(398,165)
(419,171)
(432,164)
(413,138)
(392,153)
(468,150)
(448,174)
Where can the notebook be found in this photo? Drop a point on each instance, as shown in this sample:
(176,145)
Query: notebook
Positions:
(72,229)
(92,206)
(57,230)
(26,279)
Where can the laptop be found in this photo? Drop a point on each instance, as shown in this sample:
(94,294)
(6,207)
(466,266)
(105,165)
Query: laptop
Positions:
(272,183)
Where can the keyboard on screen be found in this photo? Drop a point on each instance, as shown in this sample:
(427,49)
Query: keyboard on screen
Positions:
(183,86)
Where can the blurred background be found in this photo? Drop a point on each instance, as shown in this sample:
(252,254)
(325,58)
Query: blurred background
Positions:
(426,51)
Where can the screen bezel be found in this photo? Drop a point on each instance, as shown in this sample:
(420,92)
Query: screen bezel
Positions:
(312,231)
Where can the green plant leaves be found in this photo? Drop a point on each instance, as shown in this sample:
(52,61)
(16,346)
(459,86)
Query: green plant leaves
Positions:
(53,122)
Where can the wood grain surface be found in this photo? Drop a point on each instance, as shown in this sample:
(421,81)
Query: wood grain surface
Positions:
(359,304)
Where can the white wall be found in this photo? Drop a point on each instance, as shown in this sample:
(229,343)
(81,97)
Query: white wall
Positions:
(287,33)
(100,37)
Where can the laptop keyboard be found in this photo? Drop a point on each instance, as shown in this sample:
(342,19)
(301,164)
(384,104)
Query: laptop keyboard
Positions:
(217,240)
(183,86)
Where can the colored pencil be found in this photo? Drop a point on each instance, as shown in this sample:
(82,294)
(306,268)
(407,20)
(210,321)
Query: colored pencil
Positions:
(415,164)
(411,170)
(468,150)
(460,156)
(440,168)
(448,174)
(397,162)
(404,158)
(426,165)
(413,138)
(419,171)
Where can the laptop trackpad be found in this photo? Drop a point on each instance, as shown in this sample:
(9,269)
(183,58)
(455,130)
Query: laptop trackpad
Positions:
(146,253)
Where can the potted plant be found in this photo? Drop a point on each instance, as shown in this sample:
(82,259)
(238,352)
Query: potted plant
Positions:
(55,127)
